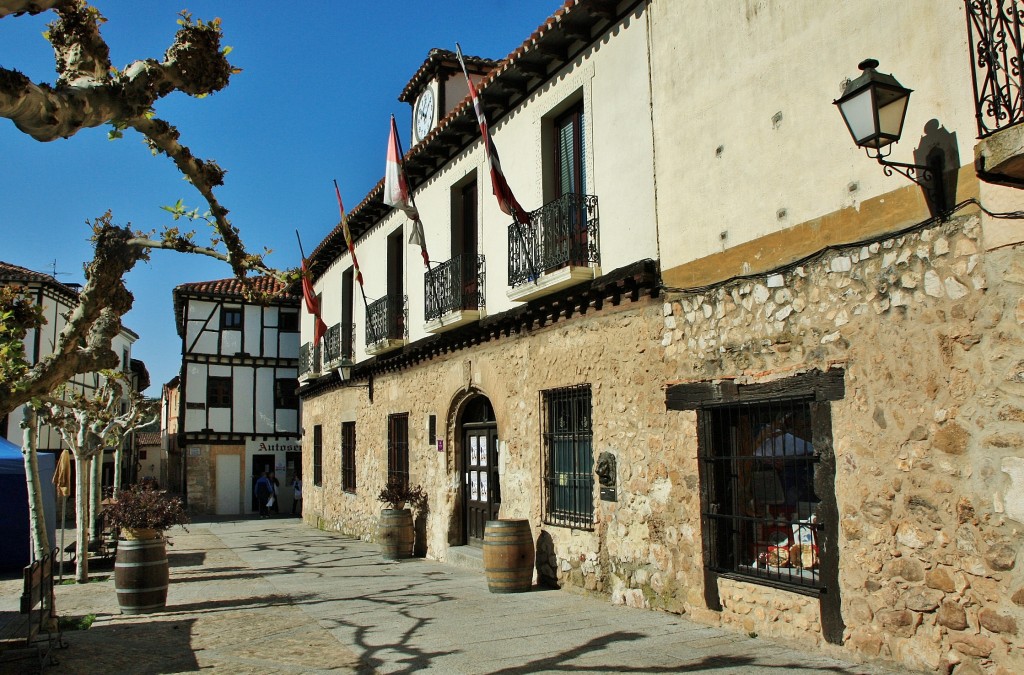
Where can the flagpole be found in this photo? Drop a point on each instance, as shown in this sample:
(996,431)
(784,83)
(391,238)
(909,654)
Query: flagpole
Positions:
(351,249)
(412,200)
(514,212)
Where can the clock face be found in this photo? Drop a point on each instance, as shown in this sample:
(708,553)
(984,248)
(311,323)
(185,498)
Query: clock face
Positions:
(424,114)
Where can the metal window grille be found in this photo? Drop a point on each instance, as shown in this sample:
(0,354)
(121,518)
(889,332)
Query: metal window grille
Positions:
(398,448)
(318,455)
(348,456)
(568,444)
(758,501)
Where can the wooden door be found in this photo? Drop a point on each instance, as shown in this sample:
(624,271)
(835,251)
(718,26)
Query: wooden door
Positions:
(480,479)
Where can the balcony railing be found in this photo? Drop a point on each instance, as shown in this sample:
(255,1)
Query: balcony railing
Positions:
(339,344)
(454,285)
(562,233)
(309,360)
(994,38)
(385,320)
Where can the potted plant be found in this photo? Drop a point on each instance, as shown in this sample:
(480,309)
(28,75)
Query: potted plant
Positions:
(396,529)
(141,516)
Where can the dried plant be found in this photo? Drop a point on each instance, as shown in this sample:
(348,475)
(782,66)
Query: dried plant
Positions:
(138,508)
(397,494)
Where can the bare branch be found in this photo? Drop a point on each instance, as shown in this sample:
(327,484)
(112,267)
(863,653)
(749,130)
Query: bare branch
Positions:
(16,7)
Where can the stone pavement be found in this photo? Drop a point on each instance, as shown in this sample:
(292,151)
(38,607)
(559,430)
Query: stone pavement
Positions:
(277,596)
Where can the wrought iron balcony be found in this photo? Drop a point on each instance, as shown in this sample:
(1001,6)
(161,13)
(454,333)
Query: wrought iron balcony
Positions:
(997,57)
(455,285)
(994,38)
(562,233)
(309,360)
(386,324)
(339,344)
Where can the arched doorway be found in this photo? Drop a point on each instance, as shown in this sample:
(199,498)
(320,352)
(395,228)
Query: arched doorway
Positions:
(481,497)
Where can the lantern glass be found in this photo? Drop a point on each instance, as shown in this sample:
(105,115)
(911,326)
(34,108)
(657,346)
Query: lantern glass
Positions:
(859,113)
(874,107)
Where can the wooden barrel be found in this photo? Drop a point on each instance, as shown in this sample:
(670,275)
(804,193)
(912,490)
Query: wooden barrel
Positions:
(508,556)
(141,576)
(396,534)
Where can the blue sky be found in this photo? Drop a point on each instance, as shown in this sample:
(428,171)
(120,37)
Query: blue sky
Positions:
(311,105)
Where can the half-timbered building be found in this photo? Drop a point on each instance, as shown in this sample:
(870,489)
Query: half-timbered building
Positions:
(238,410)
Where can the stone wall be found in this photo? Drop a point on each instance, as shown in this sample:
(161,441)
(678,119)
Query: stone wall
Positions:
(927,327)
(927,440)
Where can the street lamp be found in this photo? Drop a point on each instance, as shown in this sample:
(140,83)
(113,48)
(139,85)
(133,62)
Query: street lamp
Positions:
(874,107)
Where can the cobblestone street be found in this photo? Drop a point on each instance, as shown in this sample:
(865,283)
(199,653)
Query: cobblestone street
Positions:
(281,597)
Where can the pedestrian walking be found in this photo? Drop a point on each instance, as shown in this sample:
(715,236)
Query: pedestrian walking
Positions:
(297,499)
(263,490)
(275,498)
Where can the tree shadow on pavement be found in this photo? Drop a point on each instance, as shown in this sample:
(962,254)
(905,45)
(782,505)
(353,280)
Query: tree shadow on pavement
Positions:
(148,647)
(580,659)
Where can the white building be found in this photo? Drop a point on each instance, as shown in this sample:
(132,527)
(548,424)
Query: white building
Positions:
(57,299)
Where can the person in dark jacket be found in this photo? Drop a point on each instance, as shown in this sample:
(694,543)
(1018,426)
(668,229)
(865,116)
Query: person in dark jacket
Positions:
(263,489)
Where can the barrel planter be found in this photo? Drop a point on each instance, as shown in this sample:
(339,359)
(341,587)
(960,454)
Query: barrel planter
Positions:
(508,556)
(141,575)
(396,534)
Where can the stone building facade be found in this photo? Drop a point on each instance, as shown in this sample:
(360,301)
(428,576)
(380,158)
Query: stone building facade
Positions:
(803,411)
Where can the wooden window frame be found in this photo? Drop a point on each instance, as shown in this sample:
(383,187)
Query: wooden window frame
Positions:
(815,389)
(286,395)
(219,392)
(229,324)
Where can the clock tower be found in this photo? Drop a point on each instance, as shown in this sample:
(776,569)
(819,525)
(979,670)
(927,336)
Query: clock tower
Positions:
(437,87)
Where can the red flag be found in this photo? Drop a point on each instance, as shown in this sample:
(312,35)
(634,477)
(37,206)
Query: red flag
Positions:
(348,236)
(506,200)
(312,306)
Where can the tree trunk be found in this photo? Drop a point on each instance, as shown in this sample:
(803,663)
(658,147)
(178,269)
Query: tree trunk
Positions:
(36,516)
(95,494)
(118,458)
(81,514)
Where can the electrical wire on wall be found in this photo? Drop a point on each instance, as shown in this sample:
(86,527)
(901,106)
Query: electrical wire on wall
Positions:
(820,253)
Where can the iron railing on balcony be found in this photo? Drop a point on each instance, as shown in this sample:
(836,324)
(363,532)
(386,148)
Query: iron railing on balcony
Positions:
(562,233)
(994,40)
(339,343)
(456,284)
(385,319)
(309,359)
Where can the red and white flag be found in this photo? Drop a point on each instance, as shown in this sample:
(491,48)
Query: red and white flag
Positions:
(312,305)
(396,187)
(397,194)
(506,200)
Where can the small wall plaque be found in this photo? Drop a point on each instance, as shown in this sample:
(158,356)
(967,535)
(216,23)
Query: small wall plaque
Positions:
(440,445)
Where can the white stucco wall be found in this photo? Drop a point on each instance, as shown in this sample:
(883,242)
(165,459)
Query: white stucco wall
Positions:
(743,106)
(611,79)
